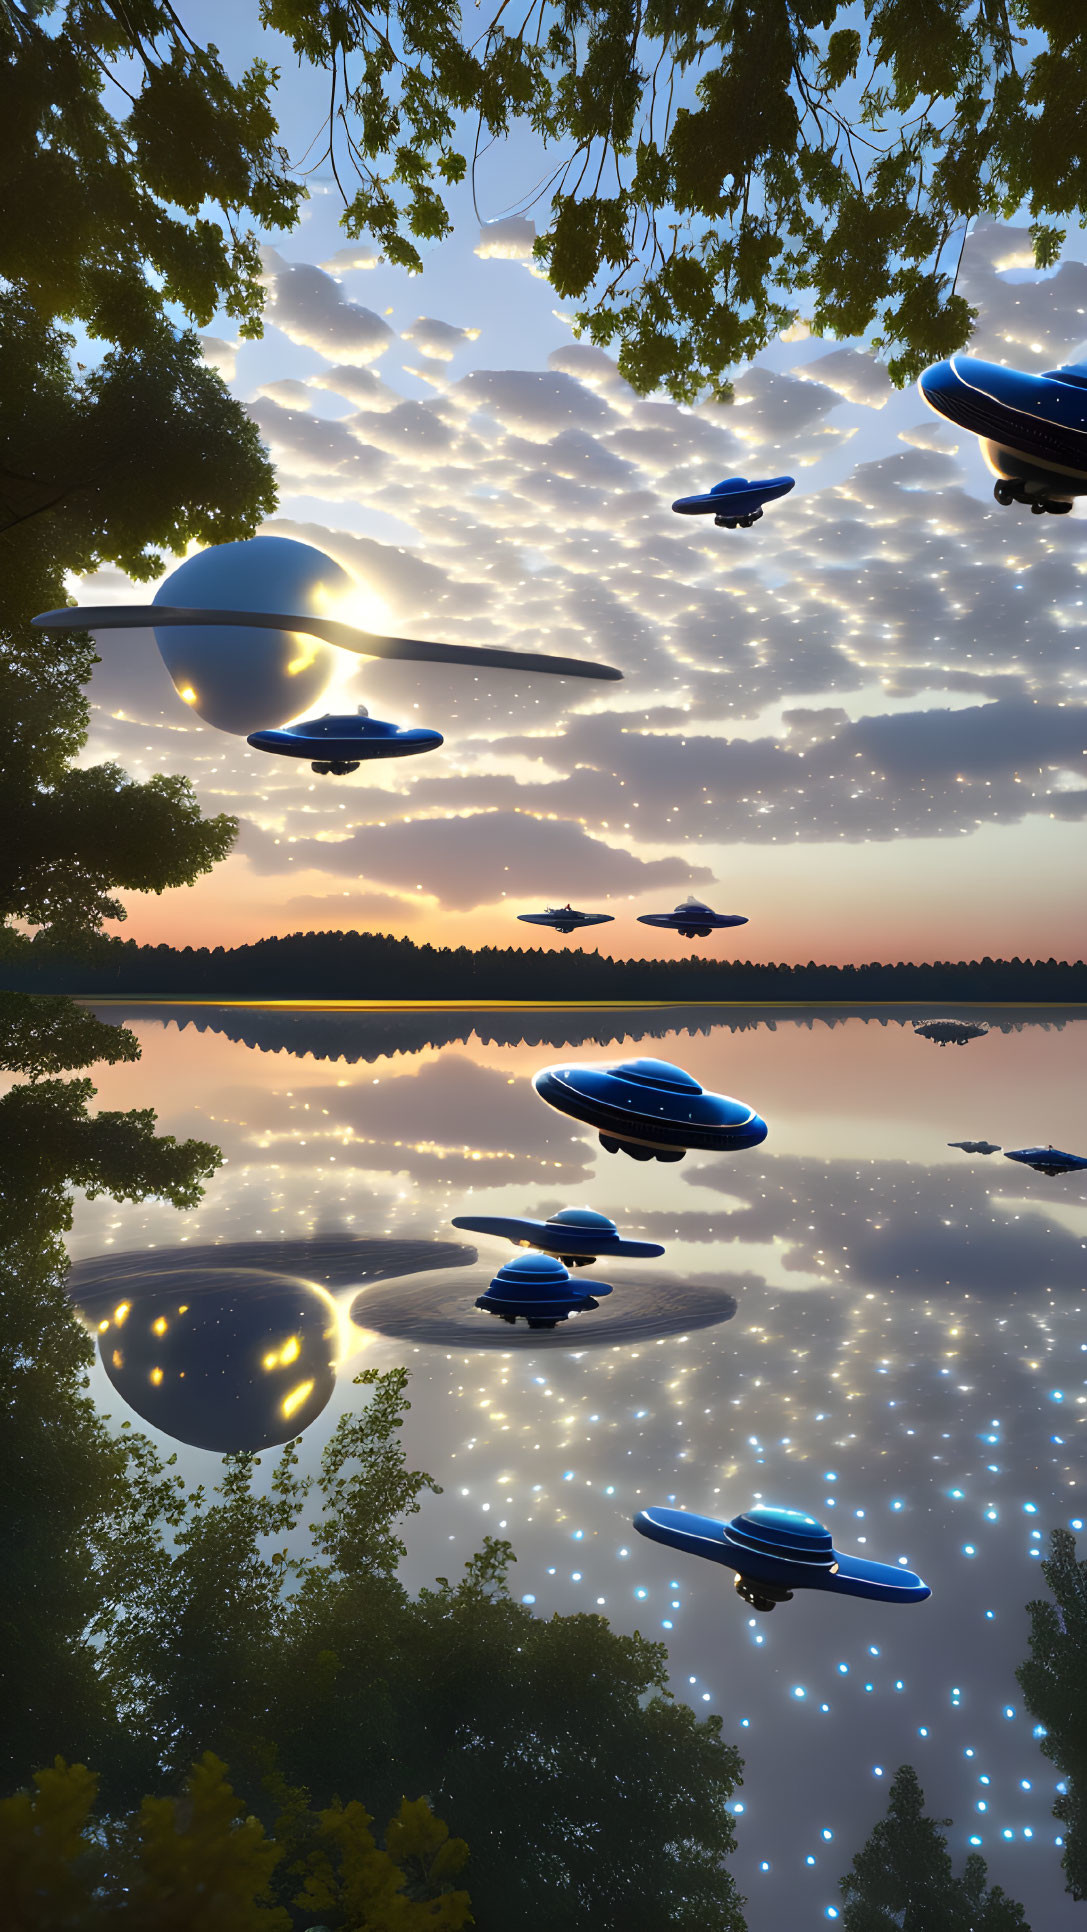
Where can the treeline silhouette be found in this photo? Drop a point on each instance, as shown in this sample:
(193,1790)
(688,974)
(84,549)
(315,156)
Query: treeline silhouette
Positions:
(365,1034)
(375,966)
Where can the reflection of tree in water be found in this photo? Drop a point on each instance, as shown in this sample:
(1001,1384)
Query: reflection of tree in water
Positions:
(366,1035)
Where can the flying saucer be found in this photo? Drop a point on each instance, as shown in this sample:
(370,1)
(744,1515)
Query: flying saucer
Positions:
(692,920)
(776,1551)
(565,918)
(650,1109)
(537,1289)
(1032,429)
(1047,1160)
(951,1032)
(339,744)
(242,631)
(735,501)
(976,1146)
(576,1235)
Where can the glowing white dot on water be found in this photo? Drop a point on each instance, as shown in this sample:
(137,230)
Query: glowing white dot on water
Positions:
(827,1833)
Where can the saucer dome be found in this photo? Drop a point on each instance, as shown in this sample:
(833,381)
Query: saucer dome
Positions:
(537,1288)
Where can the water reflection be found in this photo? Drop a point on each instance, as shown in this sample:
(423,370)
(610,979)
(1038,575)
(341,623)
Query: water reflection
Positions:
(224,1359)
(357,1034)
(641,1308)
(225,1348)
(906,1360)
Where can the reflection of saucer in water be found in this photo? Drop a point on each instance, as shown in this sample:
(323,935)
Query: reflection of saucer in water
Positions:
(222,1358)
(646,1307)
(225,1346)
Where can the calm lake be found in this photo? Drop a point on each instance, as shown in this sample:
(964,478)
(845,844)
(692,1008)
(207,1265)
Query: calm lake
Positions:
(854,1319)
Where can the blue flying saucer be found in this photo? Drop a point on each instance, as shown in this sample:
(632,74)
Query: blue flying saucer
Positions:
(692,920)
(951,1032)
(537,1289)
(650,1109)
(565,918)
(340,744)
(1032,429)
(576,1235)
(976,1146)
(776,1551)
(735,501)
(1047,1160)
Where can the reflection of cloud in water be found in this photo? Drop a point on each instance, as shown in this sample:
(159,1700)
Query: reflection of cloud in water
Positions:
(888,1224)
(643,1307)
(224,1347)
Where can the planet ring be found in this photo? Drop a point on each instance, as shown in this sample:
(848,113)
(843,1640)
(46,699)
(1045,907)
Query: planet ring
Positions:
(130,617)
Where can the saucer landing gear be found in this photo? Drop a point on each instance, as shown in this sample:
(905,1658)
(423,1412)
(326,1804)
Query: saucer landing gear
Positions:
(762,1596)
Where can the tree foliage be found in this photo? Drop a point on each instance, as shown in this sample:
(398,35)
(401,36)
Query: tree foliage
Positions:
(272,1628)
(201,1858)
(1054,1683)
(720,168)
(902,1878)
(122,195)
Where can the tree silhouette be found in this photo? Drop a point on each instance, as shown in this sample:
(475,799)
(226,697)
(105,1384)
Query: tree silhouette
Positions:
(902,1878)
(114,220)
(1054,1683)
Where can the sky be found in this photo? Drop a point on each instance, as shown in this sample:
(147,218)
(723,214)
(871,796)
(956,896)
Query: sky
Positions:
(905,1362)
(858,724)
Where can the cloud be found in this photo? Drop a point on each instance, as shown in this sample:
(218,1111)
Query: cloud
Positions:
(853,374)
(221,354)
(1034,323)
(533,404)
(475,860)
(307,306)
(358,254)
(508,240)
(440,340)
(360,386)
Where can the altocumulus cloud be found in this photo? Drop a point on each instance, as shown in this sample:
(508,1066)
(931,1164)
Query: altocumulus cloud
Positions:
(473,860)
(540,501)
